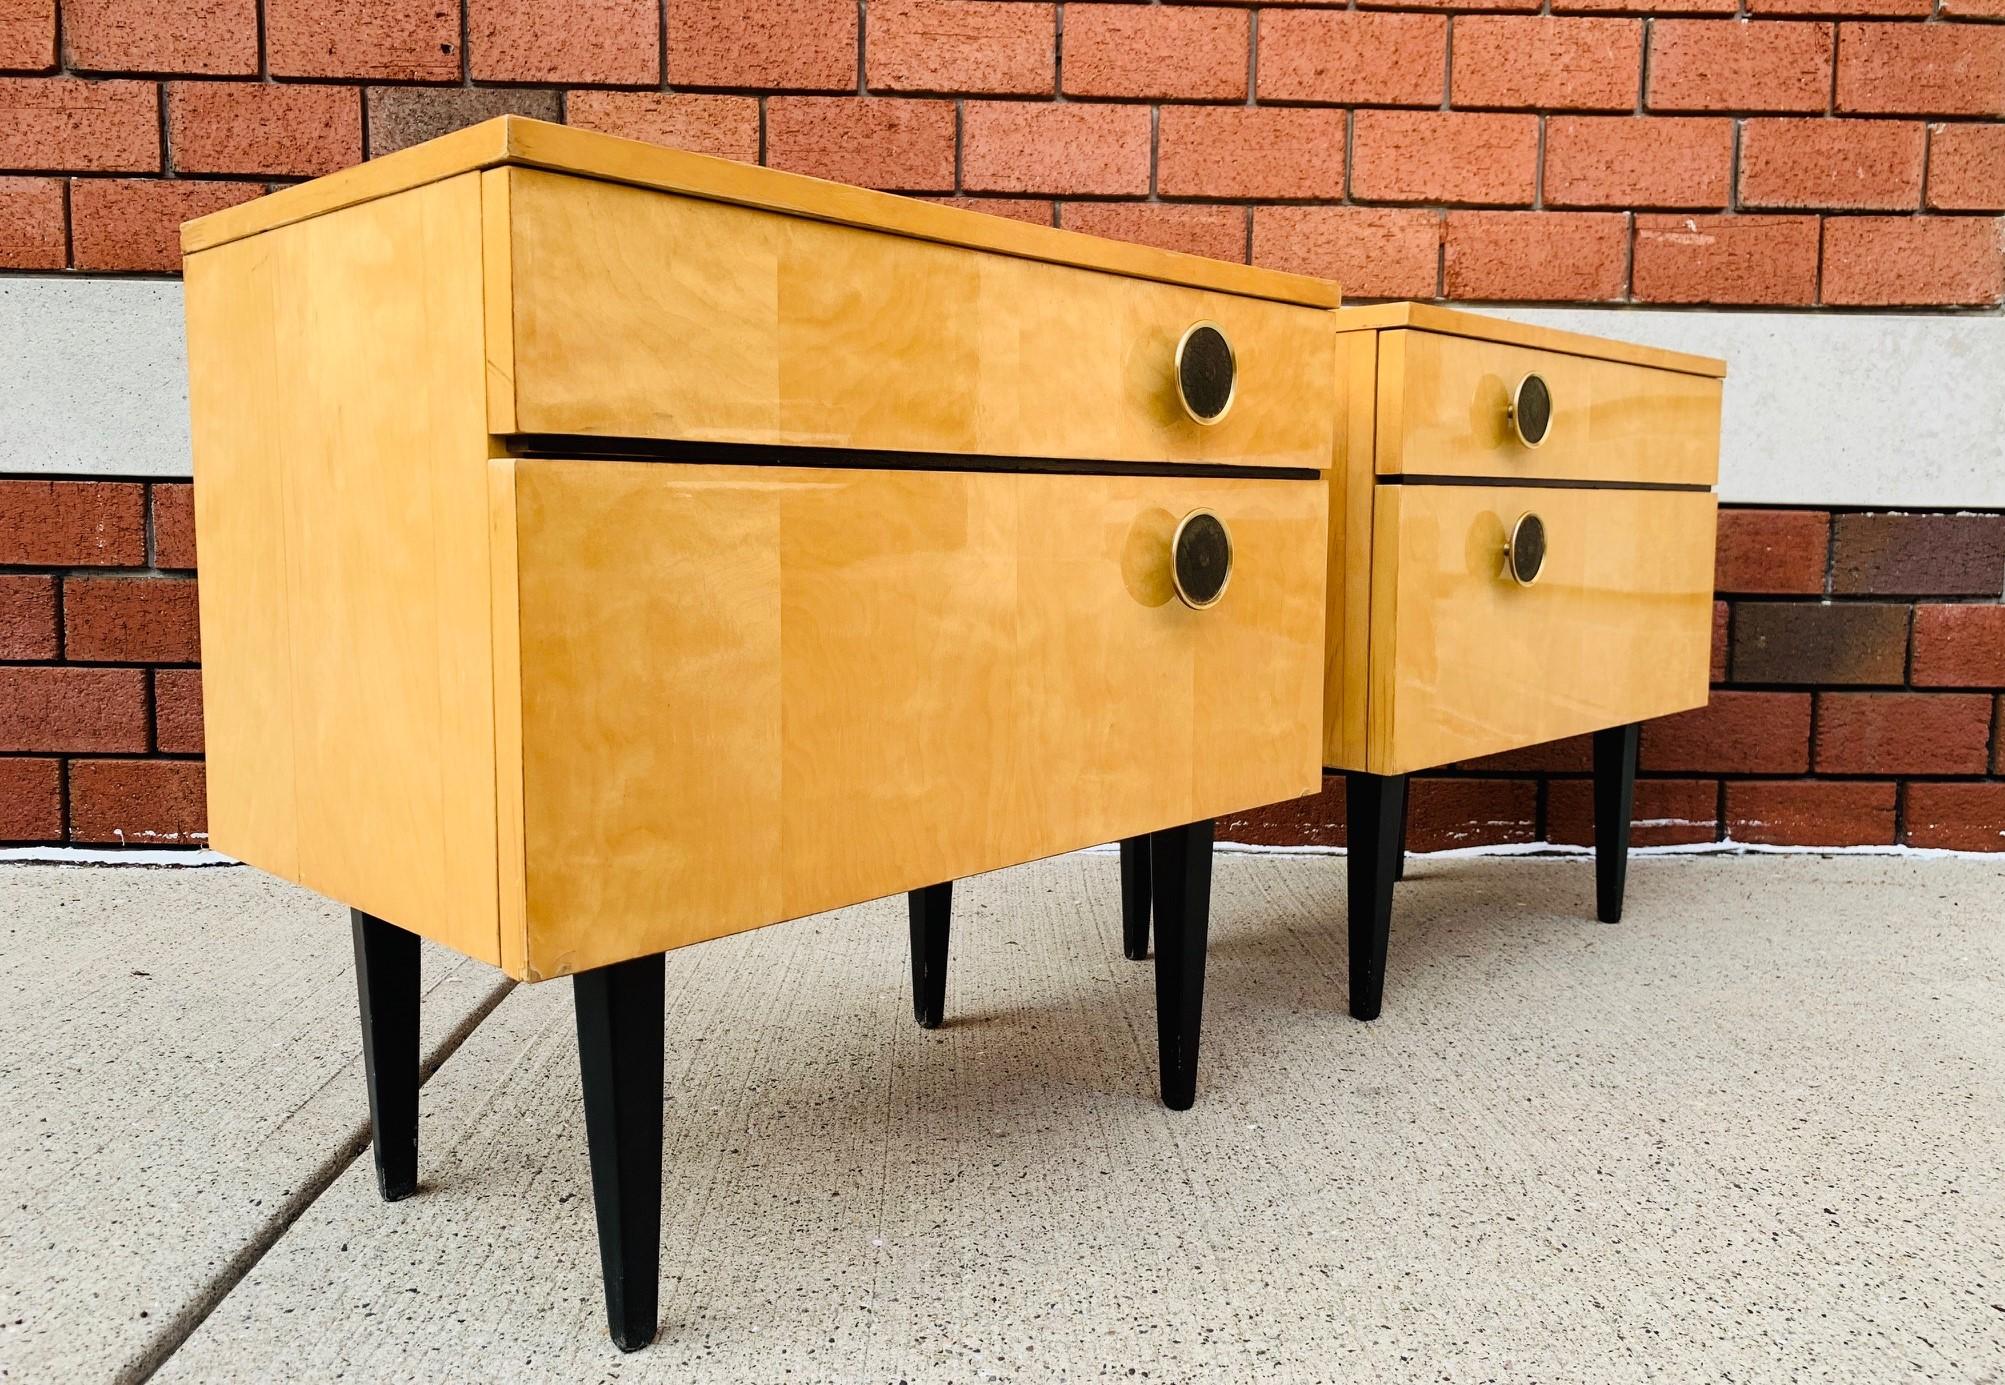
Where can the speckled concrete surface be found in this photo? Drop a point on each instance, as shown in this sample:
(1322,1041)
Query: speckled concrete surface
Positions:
(179,1059)
(1750,1134)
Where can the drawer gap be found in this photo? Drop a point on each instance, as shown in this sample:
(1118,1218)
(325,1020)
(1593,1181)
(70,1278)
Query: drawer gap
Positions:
(1557,483)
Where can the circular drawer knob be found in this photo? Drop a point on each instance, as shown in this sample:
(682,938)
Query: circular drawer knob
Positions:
(1530,410)
(1525,554)
(1200,559)
(1207,372)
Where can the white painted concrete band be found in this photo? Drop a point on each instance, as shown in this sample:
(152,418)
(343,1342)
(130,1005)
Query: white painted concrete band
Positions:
(1821,408)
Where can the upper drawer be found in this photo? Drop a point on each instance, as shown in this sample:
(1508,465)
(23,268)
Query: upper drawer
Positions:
(1445,410)
(618,311)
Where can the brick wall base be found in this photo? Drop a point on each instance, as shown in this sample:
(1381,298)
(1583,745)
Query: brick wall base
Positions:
(1858,676)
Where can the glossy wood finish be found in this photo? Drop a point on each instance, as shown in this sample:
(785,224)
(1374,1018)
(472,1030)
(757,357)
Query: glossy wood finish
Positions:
(1456,322)
(387,974)
(1614,806)
(641,315)
(1444,410)
(1180,878)
(881,680)
(517,141)
(1466,662)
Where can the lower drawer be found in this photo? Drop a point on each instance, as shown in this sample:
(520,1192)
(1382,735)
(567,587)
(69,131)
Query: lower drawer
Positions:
(752,693)
(1465,661)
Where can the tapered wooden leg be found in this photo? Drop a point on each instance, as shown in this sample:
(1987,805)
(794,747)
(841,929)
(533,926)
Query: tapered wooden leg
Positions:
(1405,801)
(931,909)
(1180,873)
(1135,897)
(619,1055)
(386,982)
(1374,804)
(1614,806)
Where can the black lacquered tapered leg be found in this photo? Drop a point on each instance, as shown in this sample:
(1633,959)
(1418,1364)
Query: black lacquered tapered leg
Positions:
(1399,872)
(1135,897)
(386,982)
(1614,806)
(619,1055)
(931,910)
(1180,875)
(1374,806)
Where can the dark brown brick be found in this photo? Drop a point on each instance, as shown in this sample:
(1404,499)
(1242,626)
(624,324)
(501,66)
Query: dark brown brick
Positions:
(1957,817)
(27,616)
(138,802)
(1919,555)
(1902,733)
(1959,646)
(133,620)
(400,117)
(73,709)
(73,523)
(177,710)
(1571,755)
(1809,812)
(1737,733)
(1317,820)
(1772,552)
(1815,643)
(1998,737)
(173,525)
(1722,624)
(1668,812)
(1443,814)
(31,800)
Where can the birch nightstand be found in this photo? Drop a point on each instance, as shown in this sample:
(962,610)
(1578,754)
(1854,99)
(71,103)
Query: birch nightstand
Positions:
(606,548)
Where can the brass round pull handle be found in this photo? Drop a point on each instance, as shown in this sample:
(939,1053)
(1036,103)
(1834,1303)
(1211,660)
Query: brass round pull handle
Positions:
(1530,410)
(1200,559)
(1207,372)
(1525,553)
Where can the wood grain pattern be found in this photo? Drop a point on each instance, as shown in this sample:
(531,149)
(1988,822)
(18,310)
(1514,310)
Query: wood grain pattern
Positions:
(754,693)
(514,140)
(1443,410)
(1465,662)
(1455,322)
(1352,485)
(637,314)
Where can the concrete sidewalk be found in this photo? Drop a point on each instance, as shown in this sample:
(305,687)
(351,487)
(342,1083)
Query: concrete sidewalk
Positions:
(1750,1134)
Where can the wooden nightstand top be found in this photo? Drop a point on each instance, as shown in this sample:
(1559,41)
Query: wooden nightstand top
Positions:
(1429,317)
(515,140)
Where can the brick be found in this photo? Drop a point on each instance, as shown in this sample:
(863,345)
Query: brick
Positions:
(1816,643)
(177,711)
(1764,65)
(611,41)
(1921,261)
(1459,6)
(73,523)
(1156,51)
(1902,733)
(394,40)
(1772,552)
(1725,259)
(216,38)
(1668,812)
(1736,733)
(31,800)
(1918,555)
(782,45)
(400,117)
(1956,817)
(1998,737)
(898,143)
(130,620)
(1352,58)
(1966,168)
(31,224)
(1024,146)
(1853,164)
(1568,755)
(1809,812)
(1959,646)
(27,35)
(1217,232)
(138,802)
(1316,820)
(135,223)
(173,524)
(1250,151)
(68,125)
(1921,69)
(1722,628)
(1546,63)
(257,127)
(969,47)
(27,616)
(1638,161)
(1444,156)
(1548,256)
(1373,252)
(1721,7)
(1038,211)
(1443,814)
(727,126)
(1815,9)
(72,709)
(1972,9)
